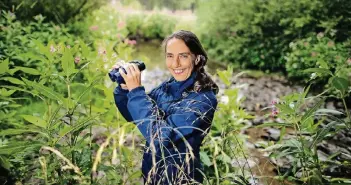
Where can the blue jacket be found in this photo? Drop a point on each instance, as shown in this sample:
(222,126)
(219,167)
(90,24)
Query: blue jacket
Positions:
(174,120)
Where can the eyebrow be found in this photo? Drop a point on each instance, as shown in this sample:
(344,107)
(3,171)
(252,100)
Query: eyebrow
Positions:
(180,53)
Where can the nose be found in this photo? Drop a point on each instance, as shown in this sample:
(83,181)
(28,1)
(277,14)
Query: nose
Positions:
(176,63)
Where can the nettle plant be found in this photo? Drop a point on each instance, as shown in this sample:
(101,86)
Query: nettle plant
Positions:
(63,144)
(309,126)
(224,145)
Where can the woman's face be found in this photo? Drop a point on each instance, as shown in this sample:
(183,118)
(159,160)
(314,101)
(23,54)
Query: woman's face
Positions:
(179,59)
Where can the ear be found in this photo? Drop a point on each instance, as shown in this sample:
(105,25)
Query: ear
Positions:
(197,60)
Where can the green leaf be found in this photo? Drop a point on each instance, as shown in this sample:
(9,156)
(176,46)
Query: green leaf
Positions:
(19,146)
(85,49)
(4,92)
(323,64)
(12,80)
(311,111)
(45,90)
(35,120)
(205,159)
(285,109)
(318,70)
(18,131)
(329,111)
(4,66)
(4,162)
(226,75)
(77,126)
(67,62)
(340,84)
(28,70)
(44,50)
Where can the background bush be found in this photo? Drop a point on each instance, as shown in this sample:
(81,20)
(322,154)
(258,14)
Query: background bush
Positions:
(61,11)
(317,51)
(256,34)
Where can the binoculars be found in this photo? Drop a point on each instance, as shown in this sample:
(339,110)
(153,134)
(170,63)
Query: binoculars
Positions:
(115,76)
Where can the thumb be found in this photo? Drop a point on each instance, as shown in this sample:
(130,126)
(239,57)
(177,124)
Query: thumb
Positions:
(124,86)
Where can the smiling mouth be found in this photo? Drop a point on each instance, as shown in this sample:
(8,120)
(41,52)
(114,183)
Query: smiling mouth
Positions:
(178,71)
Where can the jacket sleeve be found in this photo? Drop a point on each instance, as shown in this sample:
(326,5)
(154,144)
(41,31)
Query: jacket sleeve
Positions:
(197,114)
(121,99)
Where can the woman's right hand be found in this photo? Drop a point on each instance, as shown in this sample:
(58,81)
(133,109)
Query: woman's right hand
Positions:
(117,65)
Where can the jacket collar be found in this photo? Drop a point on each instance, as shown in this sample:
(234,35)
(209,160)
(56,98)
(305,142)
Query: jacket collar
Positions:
(177,88)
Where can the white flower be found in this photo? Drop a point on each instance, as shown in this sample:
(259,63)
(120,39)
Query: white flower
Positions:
(313,76)
(292,105)
(224,99)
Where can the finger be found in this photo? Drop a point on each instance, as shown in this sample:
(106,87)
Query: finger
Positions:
(132,70)
(136,69)
(128,70)
(124,75)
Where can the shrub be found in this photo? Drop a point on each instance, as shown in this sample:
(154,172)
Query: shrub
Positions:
(61,11)
(317,51)
(256,34)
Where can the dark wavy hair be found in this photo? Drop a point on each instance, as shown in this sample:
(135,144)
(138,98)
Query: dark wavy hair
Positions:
(202,80)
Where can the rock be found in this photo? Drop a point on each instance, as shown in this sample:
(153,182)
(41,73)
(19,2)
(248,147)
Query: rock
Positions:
(345,157)
(258,120)
(330,105)
(261,144)
(322,156)
(240,163)
(249,145)
(273,134)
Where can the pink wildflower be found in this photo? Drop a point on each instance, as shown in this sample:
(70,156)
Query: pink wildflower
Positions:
(330,44)
(102,51)
(274,112)
(313,54)
(52,49)
(119,36)
(320,35)
(132,42)
(77,60)
(94,28)
(121,24)
(349,61)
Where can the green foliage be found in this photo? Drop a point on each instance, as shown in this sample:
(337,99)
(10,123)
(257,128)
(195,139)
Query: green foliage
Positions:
(256,34)
(60,138)
(157,26)
(225,143)
(71,96)
(311,125)
(61,11)
(317,51)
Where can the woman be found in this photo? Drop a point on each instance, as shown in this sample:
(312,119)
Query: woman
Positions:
(174,117)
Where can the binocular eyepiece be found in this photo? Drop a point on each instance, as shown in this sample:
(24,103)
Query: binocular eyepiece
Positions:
(115,76)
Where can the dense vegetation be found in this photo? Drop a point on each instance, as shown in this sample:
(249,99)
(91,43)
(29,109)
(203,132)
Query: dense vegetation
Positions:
(58,124)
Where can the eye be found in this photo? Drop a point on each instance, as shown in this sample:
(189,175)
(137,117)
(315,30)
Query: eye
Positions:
(183,56)
(169,56)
